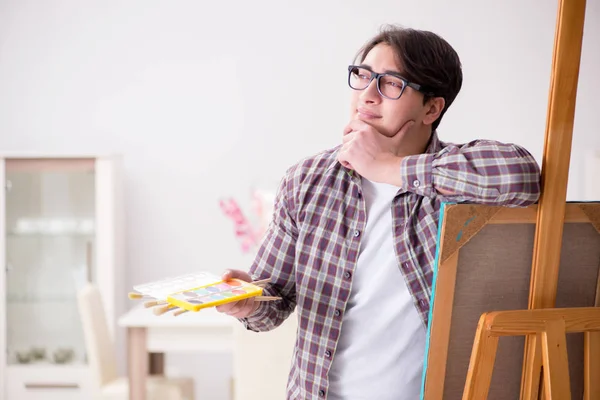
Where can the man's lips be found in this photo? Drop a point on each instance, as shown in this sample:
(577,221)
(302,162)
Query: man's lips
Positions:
(367,114)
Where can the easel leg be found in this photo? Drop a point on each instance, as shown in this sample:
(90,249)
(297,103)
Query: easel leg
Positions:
(541,385)
(556,362)
(481,365)
(530,382)
(591,357)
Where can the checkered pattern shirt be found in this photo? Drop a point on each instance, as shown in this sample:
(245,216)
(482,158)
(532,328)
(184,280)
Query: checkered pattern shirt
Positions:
(312,244)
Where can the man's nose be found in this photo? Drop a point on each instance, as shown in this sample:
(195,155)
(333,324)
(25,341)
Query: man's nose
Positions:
(370,93)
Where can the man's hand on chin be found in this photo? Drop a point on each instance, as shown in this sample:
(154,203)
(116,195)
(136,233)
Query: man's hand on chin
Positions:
(372,154)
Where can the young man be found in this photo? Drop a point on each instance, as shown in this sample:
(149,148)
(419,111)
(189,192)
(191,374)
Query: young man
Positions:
(352,242)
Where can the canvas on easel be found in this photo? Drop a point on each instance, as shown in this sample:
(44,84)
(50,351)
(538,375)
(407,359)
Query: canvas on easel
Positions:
(484,264)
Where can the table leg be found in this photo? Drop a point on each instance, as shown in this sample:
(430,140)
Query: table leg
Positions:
(157,364)
(137,362)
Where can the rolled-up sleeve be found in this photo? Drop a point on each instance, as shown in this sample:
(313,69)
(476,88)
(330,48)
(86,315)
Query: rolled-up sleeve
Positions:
(485,172)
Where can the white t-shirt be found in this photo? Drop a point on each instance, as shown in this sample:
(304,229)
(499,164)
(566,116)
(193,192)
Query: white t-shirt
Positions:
(381,347)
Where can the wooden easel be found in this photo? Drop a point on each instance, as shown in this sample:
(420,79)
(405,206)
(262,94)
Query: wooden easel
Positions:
(549,327)
(544,327)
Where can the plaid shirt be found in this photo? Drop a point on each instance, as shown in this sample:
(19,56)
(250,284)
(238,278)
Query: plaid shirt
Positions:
(312,244)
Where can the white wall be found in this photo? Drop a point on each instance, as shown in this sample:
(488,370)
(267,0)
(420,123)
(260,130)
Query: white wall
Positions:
(206,99)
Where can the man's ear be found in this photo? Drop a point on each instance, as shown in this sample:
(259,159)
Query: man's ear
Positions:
(434,107)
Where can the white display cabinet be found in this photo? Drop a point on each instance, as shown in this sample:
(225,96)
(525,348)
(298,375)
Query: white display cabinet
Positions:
(60,227)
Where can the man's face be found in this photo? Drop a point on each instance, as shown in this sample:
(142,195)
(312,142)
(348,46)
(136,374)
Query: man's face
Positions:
(387,115)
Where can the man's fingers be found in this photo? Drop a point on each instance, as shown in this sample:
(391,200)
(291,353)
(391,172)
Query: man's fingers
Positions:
(225,308)
(349,137)
(356,125)
(227,275)
(241,314)
(343,157)
(236,274)
(237,307)
(352,125)
(347,164)
(231,308)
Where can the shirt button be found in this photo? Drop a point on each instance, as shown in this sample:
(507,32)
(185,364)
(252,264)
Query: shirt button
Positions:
(422,303)
(321,393)
(356,233)
(347,275)
(405,265)
(327,354)
(337,313)
(416,183)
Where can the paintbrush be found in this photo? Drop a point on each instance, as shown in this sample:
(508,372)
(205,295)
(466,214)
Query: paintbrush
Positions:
(261,282)
(266,298)
(136,296)
(180,311)
(257,298)
(163,309)
(153,303)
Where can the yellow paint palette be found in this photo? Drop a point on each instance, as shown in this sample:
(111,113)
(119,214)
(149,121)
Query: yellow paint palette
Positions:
(214,294)
(195,291)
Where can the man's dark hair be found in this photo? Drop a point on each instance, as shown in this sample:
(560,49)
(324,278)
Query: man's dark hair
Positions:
(425,58)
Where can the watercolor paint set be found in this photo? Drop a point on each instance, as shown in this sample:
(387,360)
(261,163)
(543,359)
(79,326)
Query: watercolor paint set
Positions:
(196,291)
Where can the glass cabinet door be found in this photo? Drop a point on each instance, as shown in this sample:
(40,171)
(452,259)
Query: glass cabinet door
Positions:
(50,225)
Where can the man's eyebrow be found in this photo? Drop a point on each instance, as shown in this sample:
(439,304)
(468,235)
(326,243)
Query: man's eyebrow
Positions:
(388,71)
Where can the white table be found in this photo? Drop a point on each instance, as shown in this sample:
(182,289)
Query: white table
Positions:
(206,330)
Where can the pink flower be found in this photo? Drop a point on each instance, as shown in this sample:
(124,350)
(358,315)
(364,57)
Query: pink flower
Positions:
(245,232)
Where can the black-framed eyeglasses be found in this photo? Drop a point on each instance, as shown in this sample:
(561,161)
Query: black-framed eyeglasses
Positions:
(389,85)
